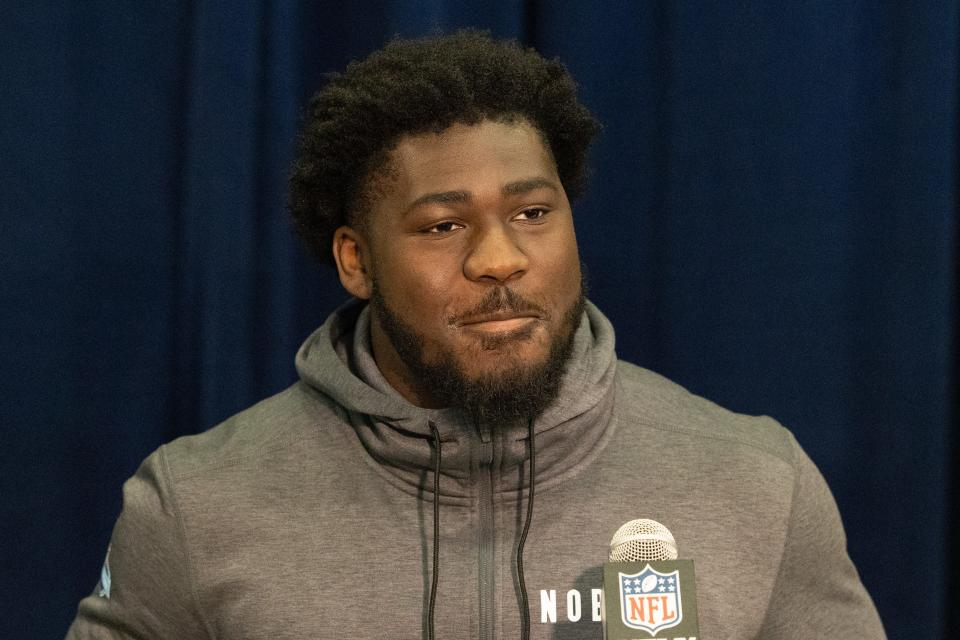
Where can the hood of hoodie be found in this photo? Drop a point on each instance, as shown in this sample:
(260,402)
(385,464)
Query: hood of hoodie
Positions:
(337,360)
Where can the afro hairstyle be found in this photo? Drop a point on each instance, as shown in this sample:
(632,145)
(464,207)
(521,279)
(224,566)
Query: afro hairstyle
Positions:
(417,86)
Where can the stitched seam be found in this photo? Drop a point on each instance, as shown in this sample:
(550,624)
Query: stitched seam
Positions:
(280,440)
(181,526)
(617,417)
(700,434)
(786,537)
(234,461)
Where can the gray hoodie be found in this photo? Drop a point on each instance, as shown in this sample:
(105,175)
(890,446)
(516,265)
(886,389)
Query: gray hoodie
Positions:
(310,515)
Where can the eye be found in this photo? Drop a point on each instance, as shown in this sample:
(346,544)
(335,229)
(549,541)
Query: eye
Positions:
(442,227)
(533,214)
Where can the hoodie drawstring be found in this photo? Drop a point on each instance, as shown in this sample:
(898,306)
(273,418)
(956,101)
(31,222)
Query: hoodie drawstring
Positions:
(436,527)
(524,603)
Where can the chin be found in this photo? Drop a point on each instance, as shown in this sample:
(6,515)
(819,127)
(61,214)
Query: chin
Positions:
(527,338)
(506,355)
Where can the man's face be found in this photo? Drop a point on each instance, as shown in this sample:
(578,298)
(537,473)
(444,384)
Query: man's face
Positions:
(471,266)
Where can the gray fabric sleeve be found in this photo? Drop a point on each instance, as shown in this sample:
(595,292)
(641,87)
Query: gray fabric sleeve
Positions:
(150,586)
(818,593)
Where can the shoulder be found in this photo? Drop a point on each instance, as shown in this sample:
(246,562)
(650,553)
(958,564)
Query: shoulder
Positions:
(658,405)
(747,476)
(278,424)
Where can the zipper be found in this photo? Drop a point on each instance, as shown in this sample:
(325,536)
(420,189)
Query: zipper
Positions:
(486,563)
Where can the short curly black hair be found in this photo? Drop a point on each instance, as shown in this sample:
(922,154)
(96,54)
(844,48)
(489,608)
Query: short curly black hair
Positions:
(416,86)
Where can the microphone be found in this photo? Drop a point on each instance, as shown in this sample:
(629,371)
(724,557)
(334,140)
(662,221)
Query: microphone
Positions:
(646,589)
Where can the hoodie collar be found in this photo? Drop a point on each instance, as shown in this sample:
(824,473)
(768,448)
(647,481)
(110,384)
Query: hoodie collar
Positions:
(337,360)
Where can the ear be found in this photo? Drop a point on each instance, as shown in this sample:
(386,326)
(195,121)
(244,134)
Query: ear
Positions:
(350,253)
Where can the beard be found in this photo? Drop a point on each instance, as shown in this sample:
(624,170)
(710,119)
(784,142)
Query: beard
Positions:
(519,391)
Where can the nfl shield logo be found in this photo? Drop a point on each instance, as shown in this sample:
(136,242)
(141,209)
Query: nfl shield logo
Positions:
(650,600)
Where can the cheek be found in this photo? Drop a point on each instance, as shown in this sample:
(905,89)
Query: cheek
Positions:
(419,291)
(562,266)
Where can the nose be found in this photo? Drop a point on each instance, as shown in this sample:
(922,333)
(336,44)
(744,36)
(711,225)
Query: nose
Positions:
(495,256)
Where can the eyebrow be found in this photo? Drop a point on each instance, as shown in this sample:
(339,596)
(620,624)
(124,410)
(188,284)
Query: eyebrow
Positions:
(530,184)
(511,189)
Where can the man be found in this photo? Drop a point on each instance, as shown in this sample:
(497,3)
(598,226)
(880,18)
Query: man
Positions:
(436,176)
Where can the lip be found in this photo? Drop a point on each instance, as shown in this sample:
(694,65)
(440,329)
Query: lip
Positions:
(501,321)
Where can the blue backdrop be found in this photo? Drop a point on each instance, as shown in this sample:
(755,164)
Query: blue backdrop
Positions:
(771,222)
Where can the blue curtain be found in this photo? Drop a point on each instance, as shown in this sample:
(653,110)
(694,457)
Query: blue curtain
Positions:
(771,222)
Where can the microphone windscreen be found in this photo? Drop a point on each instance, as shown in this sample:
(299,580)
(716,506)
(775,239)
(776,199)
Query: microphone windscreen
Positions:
(642,540)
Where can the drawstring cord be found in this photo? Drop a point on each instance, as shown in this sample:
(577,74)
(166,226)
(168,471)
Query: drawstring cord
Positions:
(436,528)
(524,603)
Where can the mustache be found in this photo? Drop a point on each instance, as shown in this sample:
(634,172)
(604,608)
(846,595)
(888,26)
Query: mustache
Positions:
(501,299)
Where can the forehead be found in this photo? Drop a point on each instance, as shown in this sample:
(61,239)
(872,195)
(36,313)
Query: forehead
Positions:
(472,158)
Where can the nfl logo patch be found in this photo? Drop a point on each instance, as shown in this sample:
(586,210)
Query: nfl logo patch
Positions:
(650,600)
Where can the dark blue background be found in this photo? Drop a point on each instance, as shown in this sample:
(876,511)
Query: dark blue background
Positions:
(772,223)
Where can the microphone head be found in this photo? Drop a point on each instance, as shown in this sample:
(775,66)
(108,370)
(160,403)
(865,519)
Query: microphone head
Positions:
(642,540)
